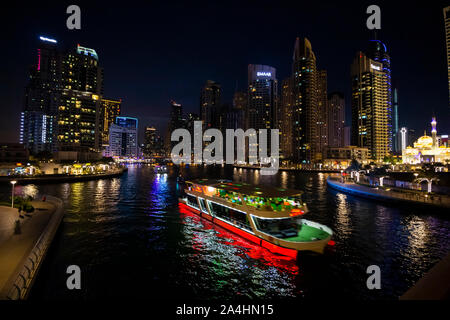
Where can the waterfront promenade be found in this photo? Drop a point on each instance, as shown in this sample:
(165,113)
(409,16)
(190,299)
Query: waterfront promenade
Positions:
(21,254)
(288,169)
(388,194)
(52,178)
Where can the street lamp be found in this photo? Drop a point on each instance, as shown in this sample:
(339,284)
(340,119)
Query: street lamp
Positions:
(13,182)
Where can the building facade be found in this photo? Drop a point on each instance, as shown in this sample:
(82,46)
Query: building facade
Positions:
(63,109)
(336,119)
(175,122)
(377,51)
(370,111)
(210,103)
(305,102)
(122,142)
(262,97)
(395,129)
(322,114)
(153,144)
(341,158)
(285,119)
(447,42)
(39,115)
(109,111)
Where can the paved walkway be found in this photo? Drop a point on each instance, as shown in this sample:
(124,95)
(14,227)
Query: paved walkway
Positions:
(15,248)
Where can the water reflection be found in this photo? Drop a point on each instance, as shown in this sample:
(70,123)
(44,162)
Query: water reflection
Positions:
(266,271)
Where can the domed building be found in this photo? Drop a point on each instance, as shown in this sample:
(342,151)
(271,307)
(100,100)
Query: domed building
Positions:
(426,149)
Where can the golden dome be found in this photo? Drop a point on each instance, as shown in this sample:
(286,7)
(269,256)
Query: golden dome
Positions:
(424,141)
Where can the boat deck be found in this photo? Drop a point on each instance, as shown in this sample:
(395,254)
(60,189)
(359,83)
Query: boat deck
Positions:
(308,233)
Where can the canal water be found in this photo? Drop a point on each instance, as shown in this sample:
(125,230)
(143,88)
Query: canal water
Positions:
(131,239)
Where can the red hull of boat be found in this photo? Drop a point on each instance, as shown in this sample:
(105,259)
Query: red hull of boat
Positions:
(244,234)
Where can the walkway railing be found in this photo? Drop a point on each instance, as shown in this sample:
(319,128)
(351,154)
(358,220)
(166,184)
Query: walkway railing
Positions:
(25,278)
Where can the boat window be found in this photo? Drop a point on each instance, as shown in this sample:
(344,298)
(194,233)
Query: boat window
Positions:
(280,228)
(238,218)
(192,201)
(202,204)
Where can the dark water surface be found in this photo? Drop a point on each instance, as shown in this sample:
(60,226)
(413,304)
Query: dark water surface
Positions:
(131,239)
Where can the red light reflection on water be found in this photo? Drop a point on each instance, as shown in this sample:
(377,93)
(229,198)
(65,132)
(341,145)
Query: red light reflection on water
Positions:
(251,250)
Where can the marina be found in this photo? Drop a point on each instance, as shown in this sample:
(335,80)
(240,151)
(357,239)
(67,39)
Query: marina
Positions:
(134,225)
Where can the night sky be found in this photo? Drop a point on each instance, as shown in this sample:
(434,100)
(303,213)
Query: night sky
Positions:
(153,52)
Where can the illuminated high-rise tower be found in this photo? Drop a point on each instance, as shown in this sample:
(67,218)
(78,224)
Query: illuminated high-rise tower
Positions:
(321,114)
(305,101)
(377,51)
(370,111)
(42,94)
(110,110)
(285,122)
(210,104)
(79,110)
(395,145)
(447,42)
(336,119)
(64,109)
(262,97)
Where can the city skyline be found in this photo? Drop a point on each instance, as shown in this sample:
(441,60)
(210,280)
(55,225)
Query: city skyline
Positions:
(151,107)
(260,154)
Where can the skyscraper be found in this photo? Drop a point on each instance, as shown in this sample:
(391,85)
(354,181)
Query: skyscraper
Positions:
(305,95)
(322,114)
(122,142)
(370,112)
(262,97)
(39,115)
(447,42)
(175,122)
(210,102)
(123,138)
(285,118)
(149,141)
(62,111)
(109,111)
(237,118)
(395,145)
(336,119)
(377,51)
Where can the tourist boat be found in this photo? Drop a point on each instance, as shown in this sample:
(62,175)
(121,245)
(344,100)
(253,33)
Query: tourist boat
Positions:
(268,216)
(161,169)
